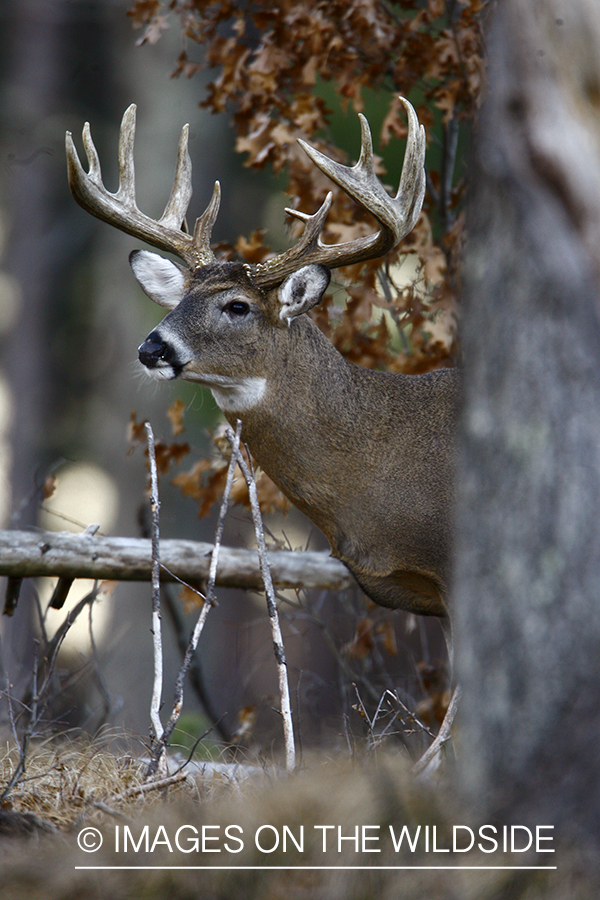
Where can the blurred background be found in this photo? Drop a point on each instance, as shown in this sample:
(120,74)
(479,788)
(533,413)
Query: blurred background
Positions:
(71,318)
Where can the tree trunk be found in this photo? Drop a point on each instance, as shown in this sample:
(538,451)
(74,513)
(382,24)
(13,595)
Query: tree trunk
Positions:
(527,576)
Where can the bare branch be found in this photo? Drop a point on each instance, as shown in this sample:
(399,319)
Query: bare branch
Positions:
(158,750)
(284,690)
(32,722)
(156,624)
(431,759)
(212,573)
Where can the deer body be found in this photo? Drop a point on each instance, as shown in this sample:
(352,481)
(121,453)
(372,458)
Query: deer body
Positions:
(366,455)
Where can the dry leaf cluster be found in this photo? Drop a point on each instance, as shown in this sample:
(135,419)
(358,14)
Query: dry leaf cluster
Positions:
(205,480)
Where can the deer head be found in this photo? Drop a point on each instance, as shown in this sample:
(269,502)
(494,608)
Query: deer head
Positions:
(222,313)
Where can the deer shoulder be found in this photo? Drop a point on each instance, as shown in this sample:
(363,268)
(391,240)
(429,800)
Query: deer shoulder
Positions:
(366,455)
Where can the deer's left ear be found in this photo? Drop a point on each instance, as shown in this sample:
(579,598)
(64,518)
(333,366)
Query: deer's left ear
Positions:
(302,290)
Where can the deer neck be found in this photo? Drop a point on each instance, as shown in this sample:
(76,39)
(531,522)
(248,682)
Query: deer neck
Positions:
(303,421)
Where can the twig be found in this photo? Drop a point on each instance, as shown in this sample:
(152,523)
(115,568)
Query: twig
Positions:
(362,708)
(172,606)
(375,739)
(133,792)
(158,750)
(11,712)
(109,810)
(152,785)
(210,589)
(193,748)
(100,679)
(345,720)
(212,572)
(372,690)
(39,692)
(430,760)
(156,624)
(284,691)
(21,766)
(54,644)
(409,712)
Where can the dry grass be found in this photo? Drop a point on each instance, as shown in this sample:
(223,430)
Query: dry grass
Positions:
(63,779)
(67,781)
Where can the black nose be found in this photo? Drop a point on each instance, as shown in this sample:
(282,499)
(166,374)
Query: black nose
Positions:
(152,351)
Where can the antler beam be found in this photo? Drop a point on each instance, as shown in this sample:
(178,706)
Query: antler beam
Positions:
(120,209)
(397,216)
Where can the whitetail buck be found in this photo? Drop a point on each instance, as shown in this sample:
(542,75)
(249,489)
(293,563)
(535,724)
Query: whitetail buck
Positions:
(367,455)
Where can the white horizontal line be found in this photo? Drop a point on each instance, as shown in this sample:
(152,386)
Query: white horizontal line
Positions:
(351,868)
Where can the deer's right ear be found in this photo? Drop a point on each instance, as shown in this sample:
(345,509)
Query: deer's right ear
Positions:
(161,279)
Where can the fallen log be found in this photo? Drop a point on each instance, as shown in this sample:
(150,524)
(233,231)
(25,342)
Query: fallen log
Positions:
(31,554)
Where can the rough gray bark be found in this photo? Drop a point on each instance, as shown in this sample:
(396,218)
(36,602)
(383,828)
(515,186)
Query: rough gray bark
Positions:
(527,580)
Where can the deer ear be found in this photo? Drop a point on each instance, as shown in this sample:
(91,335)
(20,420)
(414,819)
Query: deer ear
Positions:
(302,290)
(161,279)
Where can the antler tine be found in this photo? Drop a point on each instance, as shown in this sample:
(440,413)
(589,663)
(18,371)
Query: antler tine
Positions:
(361,183)
(93,159)
(120,209)
(310,241)
(126,190)
(412,179)
(181,192)
(306,249)
(311,236)
(204,226)
(397,215)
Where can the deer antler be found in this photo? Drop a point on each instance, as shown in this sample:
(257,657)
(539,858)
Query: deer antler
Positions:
(120,209)
(397,216)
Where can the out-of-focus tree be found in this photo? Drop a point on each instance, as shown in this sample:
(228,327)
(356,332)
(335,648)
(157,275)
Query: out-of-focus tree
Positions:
(528,548)
(39,255)
(68,327)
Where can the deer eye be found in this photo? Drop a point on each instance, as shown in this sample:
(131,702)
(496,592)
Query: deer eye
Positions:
(237,308)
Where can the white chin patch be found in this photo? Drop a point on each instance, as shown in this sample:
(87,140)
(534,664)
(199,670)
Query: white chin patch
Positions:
(161,372)
(240,396)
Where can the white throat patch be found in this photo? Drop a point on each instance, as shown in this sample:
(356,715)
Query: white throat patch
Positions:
(239,396)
